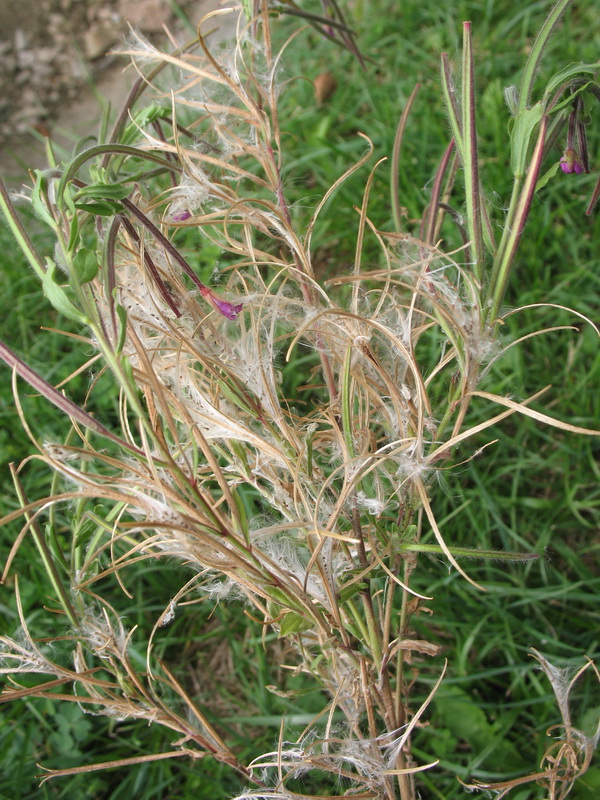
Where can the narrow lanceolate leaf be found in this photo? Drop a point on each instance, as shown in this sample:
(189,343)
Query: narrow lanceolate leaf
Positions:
(104,191)
(59,297)
(520,408)
(565,76)
(536,52)
(430,218)
(449,93)
(99,150)
(67,406)
(525,124)
(469,155)
(346,397)
(501,271)
(396,159)
(468,552)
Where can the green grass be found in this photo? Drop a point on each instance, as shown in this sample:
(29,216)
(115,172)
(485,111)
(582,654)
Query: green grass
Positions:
(536,489)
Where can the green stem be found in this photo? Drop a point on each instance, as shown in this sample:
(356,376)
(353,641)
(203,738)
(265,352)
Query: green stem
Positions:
(467,552)
(364,631)
(19,232)
(508,222)
(518,217)
(46,555)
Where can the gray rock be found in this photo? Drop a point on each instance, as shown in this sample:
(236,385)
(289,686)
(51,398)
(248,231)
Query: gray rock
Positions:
(147,15)
(99,38)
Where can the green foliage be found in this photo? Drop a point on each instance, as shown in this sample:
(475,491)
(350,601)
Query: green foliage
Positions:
(534,490)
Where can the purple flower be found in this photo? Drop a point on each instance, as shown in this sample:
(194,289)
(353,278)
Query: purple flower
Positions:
(569,163)
(229,310)
(181,216)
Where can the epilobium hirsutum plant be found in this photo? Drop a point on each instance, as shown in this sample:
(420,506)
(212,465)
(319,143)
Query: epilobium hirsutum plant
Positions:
(310,511)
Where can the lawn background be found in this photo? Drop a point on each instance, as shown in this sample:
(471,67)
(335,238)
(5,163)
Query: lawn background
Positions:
(535,490)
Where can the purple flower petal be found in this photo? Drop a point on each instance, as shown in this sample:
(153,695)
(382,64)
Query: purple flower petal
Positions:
(228,310)
(180,216)
(569,162)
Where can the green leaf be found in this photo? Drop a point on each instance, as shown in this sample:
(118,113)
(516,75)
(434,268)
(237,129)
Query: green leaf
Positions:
(103,208)
(127,370)
(567,102)
(590,721)
(85,264)
(67,198)
(38,199)
(535,54)
(463,716)
(84,531)
(293,623)
(73,234)
(566,74)
(284,603)
(247,10)
(57,295)
(237,399)
(122,315)
(470,156)
(141,119)
(525,124)
(587,787)
(98,173)
(279,596)
(62,741)
(547,176)
(104,191)
(348,592)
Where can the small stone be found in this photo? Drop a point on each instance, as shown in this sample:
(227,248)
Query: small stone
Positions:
(98,40)
(29,114)
(29,96)
(56,23)
(20,40)
(8,64)
(26,59)
(22,78)
(45,55)
(147,15)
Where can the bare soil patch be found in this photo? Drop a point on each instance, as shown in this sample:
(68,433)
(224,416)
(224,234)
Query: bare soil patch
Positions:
(56,66)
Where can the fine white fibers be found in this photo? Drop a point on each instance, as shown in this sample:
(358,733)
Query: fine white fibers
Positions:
(372,505)
(192,193)
(287,553)
(23,656)
(412,465)
(367,757)
(101,635)
(222,588)
(254,366)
